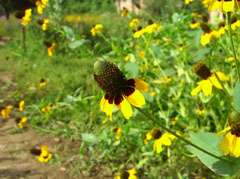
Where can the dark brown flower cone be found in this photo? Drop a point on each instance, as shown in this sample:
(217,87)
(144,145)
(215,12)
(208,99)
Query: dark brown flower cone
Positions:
(109,78)
(202,70)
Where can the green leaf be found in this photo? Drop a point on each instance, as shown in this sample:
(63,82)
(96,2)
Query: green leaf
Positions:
(201,54)
(89,138)
(132,68)
(210,142)
(69,32)
(68,133)
(76,44)
(236,96)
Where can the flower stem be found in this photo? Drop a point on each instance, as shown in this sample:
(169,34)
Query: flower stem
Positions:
(231,40)
(181,138)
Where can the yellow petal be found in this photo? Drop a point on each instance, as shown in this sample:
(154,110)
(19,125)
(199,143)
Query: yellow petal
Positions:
(125,108)
(141,85)
(215,82)
(157,146)
(165,140)
(222,76)
(227,6)
(235,147)
(223,131)
(106,107)
(207,87)
(214,5)
(196,90)
(136,98)
(225,143)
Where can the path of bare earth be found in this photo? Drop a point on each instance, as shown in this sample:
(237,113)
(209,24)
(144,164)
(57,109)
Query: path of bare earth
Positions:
(15,158)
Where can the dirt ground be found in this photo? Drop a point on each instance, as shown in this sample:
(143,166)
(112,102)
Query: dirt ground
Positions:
(15,159)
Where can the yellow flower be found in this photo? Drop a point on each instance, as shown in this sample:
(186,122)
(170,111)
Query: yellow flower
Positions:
(201,111)
(205,39)
(6,111)
(142,54)
(43,82)
(209,80)
(41,4)
(118,89)
(174,120)
(235,24)
(153,93)
(194,25)
(47,109)
(231,141)
(206,3)
(154,27)
(160,139)
(21,105)
(224,5)
(118,131)
(27,17)
(188,1)
(127,58)
(139,32)
(124,12)
(231,59)
(21,122)
(127,174)
(134,23)
(181,47)
(42,153)
(84,36)
(165,80)
(96,29)
(45,24)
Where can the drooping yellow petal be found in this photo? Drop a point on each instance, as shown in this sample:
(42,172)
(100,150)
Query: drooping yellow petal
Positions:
(142,85)
(106,107)
(196,90)
(165,140)
(222,76)
(225,143)
(136,98)
(235,146)
(214,5)
(206,87)
(157,146)
(215,82)
(227,6)
(125,108)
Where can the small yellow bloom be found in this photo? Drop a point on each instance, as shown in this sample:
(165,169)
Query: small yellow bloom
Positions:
(181,47)
(6,111)
(209,80)
(174,120)
(43,82)
(41,4)
(194,25)
(134,23)
(153,93)
(84,36)
(21,105)
(160,139)
(27,17)
(96,29)
(127,174)
(206,3)
(50,49)
(139,32)
(127,58)
(165,80)
(45,24)
(124,12)
(142,54)
(21,122)
(188,1)
(201,111)
(42,153)
(118,131)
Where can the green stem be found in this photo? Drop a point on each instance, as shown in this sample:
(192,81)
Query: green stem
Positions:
(181,138)
(232,44)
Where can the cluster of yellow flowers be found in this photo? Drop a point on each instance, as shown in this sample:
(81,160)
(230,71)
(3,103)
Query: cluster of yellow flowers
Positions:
(149,29)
